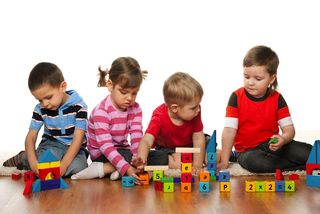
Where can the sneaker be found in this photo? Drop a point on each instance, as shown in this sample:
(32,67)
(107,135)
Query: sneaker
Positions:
(15,160)
(115,176)
(233,156)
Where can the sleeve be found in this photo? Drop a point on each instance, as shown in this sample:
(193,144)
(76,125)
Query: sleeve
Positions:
(283,114)
(198,125)
(232,115)
(136,131)
(101,121)
(82,117)
(37,119)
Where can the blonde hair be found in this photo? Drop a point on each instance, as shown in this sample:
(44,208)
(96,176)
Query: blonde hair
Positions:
(181,88)
(124,71)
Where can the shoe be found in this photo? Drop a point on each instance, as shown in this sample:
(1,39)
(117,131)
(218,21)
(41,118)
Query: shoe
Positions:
(115,176)
(233,156)
(15,160)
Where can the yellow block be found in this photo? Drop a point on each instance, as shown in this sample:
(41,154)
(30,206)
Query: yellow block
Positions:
(250,186)
(54,164)
(186,167)
(44,165)
(270,186)
(225,186)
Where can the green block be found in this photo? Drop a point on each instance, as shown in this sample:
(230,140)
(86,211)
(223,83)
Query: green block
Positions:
(157,175)
(168,187)
(289,186)
(166,180)
(260,186)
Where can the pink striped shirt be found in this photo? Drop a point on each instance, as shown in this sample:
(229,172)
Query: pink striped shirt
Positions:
(108,130)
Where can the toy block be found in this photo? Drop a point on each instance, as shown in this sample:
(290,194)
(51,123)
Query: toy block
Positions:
(157,175)
(186,177)
(279,176)
(16,175)
(187,150)
(204,176)
(168,187)
(314,156)
(49,173)
(47,156)
(310,167)
(176,180)
(29,175)
(212,157)
(204,186)
(224,186)
(144,178)
(167,180)
(156,167)
(280,186)
(250,186)
(50,184)
(313,181)
(36,187)
(212,166)
(293,177)
(211,147)
(213,176)
(28,188)
(54,164)
(260,186)
(43,165)
(63,184)
(224,176)
(273,140)
(186,158)
(158,185)
(289,186)
(270,186)
(185,187)
(186,167)
(127,181)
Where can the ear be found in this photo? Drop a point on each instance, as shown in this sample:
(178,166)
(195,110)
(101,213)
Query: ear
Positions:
(110,85)
(174,108)
(63,86)
(273,78)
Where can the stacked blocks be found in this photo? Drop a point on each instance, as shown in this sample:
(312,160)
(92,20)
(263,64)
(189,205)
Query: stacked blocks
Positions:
(224,180)
(212,156)
(168,184)
(204,181)
(313,164)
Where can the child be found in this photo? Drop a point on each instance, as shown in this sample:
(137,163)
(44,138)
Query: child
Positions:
(112,120)
(64,116)
(176,123)
(253,115)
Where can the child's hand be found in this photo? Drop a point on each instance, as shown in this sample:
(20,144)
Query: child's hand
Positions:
(34,167)
(222,165)
(276,146)
(133,172)
(63,168)
(196,169)
(139,163)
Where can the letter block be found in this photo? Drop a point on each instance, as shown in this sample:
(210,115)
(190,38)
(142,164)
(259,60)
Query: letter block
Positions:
(224,186)
(260,186)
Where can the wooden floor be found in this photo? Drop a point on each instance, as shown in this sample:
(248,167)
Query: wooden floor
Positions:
(105,196)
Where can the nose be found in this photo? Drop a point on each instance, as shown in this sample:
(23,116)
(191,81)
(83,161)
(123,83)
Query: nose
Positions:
(251,81)
(45,103)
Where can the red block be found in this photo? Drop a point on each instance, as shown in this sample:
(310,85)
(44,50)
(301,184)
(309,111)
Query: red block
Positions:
(279,176)
(158,185)
(28,188)
(294,177)
(186,158)
(29,176)
(16,176)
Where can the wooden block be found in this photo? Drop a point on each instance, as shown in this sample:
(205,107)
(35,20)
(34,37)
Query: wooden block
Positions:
(260,186)
(186,177)
(204,186)
(54,164)
(204,176)
(153,168)
(44,165)
(144,178)
(185,187)
(293,177)
(313,180)
(212,157)
(186,167)
(224,176)
(127,181)
(16,175)
(280,186)
(224,186)
(158,185)
(157,175)
(168,187)
(270,186)
(187,150)
(29,175)
(279,176)
(290,186)
(250,186)
(167,180)
(212,166)
(186,158)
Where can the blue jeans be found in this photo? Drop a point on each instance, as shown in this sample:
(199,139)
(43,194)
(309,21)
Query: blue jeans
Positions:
(292,156)
(59,150)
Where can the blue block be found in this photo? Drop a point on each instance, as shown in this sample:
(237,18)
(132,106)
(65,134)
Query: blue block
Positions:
(204,186)
(314,156)
(280,186)
(211,147)
(176,180)
(212,157)
(313,180)
(127,181)
(224,176)
(63,184)
(36,187)
(50,184)
(212,166)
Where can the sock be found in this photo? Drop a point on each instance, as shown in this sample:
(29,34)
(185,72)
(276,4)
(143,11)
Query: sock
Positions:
(115,175)
(15,160)
(95,170)
(233,156)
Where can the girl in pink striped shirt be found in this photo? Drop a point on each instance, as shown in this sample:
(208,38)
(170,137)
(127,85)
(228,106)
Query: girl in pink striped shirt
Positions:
(112,120)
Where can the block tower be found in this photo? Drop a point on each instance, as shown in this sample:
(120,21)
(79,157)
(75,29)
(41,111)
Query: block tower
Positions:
(212,156)
(313,164)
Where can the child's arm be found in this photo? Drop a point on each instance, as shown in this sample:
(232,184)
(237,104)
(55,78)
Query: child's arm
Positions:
(30,142)
(143,151)
(73,150)
(228,136)
(198,159)
(287,136)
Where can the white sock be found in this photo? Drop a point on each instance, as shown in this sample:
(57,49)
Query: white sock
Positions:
(115,175)
(95,170)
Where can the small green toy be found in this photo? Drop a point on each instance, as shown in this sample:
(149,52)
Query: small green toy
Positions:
(273,140)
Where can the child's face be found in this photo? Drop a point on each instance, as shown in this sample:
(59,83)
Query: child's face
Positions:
(123,98)
(256,80)
(189,111)
(51,97)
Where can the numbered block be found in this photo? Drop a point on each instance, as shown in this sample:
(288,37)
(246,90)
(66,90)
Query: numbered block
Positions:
(204,186)
(127,181)
(224,176)
(167,180)
(213,176)
(212,157)
(204,176)
(212,166)
(185,187)
(224,186)
(186,158)
(280,186)
(157,175)
(158,185)
(260,186)
(144,178)
(186,177)
(186,167)
(270,186)
(289,186)
(168,187)
(250,186)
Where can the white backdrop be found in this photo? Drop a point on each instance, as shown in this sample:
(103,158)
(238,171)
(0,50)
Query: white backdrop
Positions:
(207,39)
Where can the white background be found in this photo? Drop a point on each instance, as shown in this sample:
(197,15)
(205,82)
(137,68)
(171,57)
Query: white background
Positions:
(207,39)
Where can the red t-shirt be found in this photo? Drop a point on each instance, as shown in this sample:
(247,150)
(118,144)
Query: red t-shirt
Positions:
(169,135)
(256,119)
